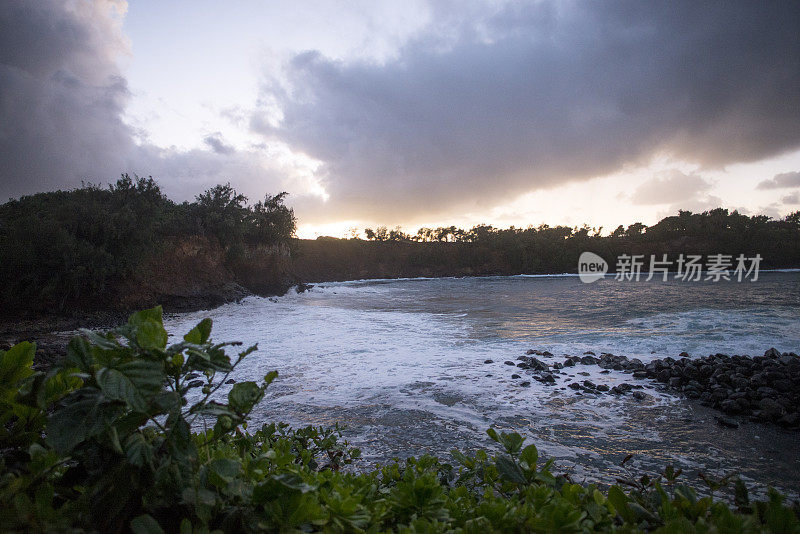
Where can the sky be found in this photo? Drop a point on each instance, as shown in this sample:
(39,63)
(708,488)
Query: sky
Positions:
(412,113)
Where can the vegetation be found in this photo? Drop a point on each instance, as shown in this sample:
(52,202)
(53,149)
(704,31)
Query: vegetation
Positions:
(73,249)
(110,441)
(484,250)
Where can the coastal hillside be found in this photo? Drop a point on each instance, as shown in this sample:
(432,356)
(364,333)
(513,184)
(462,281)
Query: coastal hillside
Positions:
(485,250)
(128,246)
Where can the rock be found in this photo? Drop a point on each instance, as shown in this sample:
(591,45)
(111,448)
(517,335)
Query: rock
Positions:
(767,392)
(640,374)
(509,362)
(602,387)
(532,351)
(523,365)
(488,361)
(726,421)
(558,365)
(771,410)
(730,407)
(568,363)
(575,386)
(515,376)
(538,365)
(589,384)
(303,287)
(639,395)
(790,420)
(772,353)
(782,385)
(525,384)
(589,360)
(683,354)
(664,375)
(547,354)
(589,353)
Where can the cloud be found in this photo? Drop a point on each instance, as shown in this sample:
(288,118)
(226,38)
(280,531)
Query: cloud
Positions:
(670,187)
(535,95)
(61,94)
(62,98)
(214,142)
(781,181)
(791,198)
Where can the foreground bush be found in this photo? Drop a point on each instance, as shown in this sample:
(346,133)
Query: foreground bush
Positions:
(106,443)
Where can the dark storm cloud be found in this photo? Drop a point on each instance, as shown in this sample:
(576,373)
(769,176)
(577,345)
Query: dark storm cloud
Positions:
(215,142)
(781,181)
(539,94)
(61,95)
(62,99)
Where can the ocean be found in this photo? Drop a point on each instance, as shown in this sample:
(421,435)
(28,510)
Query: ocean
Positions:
(401,364)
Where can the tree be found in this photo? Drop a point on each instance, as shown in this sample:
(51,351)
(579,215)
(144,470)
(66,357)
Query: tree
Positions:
(270,221)
(636,229)
(221,211)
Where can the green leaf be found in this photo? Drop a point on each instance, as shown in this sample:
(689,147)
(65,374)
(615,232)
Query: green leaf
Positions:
(509,470)
(685,492)
(132,382)
(247,351)
(81,418)
(530,455)
(280,486)
(57,384)
(272,375)
(512,442)
(101,341)
(213,409)
(222,470)
(138,451)
(493,434)
(153,314)
(244,395)
(79,354)
(740,494)
(151,335)
(15,364)
(145,524)
(619,501)
(149,328)
(200,333)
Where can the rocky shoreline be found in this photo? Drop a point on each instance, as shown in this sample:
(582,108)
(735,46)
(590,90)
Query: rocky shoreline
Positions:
(763,389)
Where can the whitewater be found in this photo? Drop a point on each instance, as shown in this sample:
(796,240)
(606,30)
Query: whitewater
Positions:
(401,364)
